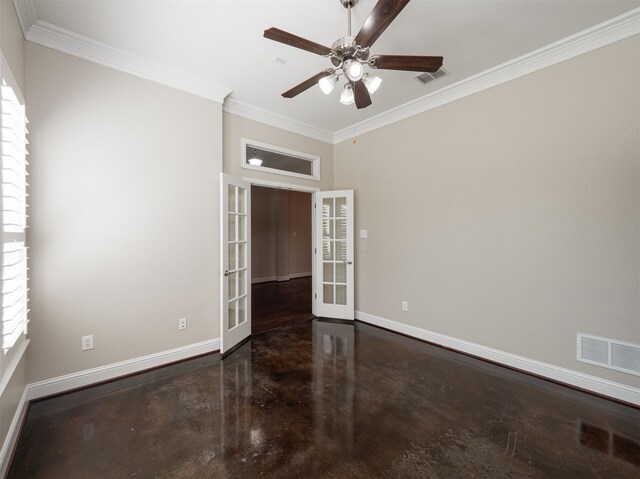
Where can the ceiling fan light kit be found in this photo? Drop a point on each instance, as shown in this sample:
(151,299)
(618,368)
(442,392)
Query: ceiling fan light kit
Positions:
(347,97)
(328,83)
(350,54)
(353,69)
(372,82)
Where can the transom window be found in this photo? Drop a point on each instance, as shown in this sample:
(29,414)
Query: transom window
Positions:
(281,161)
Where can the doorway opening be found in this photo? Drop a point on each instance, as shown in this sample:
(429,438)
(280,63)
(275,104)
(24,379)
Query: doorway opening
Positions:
(281,257)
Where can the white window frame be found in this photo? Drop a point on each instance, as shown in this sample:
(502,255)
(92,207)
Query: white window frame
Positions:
(314,159)
(13,352)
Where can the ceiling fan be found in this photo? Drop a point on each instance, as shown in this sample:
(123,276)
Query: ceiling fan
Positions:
(350,54)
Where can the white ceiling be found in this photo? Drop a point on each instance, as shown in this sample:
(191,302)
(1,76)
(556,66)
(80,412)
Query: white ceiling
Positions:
(222,42)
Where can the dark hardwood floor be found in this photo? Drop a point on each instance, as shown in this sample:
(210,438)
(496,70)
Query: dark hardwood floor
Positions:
(280,303)
(329,400)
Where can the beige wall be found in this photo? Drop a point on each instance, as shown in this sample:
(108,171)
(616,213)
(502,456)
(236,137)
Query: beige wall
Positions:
(12,46)
(510,218)
(280,234)
(236,127)
(125,221)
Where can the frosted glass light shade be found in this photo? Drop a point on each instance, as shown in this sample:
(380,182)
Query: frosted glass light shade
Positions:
(255,161)
(327,83)
(354,70)
(346,98)
(372,82)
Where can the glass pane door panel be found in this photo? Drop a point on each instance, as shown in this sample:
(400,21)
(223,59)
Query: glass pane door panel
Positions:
(232,285)
(242,310)
(341,273)
(341,207)
(341,250)
(242,228)
(341,294)
(232,313)
(242,277)
(327,272)
(242,200)
(327,293)
(232,198)
(232,256)
(242,255)
(341,229)
(327,228)
(232,227)
(327,250)
(327,208)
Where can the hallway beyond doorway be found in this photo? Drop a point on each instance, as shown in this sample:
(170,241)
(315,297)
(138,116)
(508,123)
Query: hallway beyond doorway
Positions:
(280,303)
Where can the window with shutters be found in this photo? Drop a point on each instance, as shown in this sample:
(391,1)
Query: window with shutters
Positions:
(13,210)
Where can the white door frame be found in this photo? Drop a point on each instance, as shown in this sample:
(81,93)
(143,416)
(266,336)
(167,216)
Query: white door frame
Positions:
(304,189)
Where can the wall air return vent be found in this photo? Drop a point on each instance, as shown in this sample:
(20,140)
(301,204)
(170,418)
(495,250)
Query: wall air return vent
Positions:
(609,353)
(429,77)
(625,357)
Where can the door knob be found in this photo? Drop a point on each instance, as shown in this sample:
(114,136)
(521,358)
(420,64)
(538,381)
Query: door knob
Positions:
(226,272)
(348,262)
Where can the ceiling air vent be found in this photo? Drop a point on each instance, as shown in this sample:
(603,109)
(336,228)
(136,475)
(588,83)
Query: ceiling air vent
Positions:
(609,353)
(428,77)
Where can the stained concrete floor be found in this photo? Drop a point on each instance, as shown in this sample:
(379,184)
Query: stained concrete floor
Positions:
(329,400)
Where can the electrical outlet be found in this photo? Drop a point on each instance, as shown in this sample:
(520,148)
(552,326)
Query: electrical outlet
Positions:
(87,342)
(405,306)
(182,324)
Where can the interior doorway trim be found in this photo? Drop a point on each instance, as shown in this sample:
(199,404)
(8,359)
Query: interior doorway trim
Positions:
(280,185)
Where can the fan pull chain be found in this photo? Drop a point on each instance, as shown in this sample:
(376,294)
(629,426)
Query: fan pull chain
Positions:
(354,139)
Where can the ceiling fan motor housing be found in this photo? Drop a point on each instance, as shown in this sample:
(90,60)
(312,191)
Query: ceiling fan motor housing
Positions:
(345,48)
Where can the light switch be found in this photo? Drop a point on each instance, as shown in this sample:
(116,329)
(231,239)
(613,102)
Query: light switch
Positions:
(363,233)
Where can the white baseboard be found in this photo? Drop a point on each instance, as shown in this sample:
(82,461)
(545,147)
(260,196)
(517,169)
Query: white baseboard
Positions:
(111,371)
(12,434)
(574,378)
(299,275)
(268,279)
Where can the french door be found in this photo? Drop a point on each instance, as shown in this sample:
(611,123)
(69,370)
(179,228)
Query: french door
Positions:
(334,254)
(235,243)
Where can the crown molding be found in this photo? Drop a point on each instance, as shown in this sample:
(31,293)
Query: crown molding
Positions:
(273,119)
(26,10)
(605,33)
(52,36)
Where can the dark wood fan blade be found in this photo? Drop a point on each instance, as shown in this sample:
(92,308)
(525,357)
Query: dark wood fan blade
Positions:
(361,94)
(406,62)
(305,85)
(379,19)
(281,36)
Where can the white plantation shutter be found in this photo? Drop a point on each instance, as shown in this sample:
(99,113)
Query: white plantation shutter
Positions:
(14,208)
